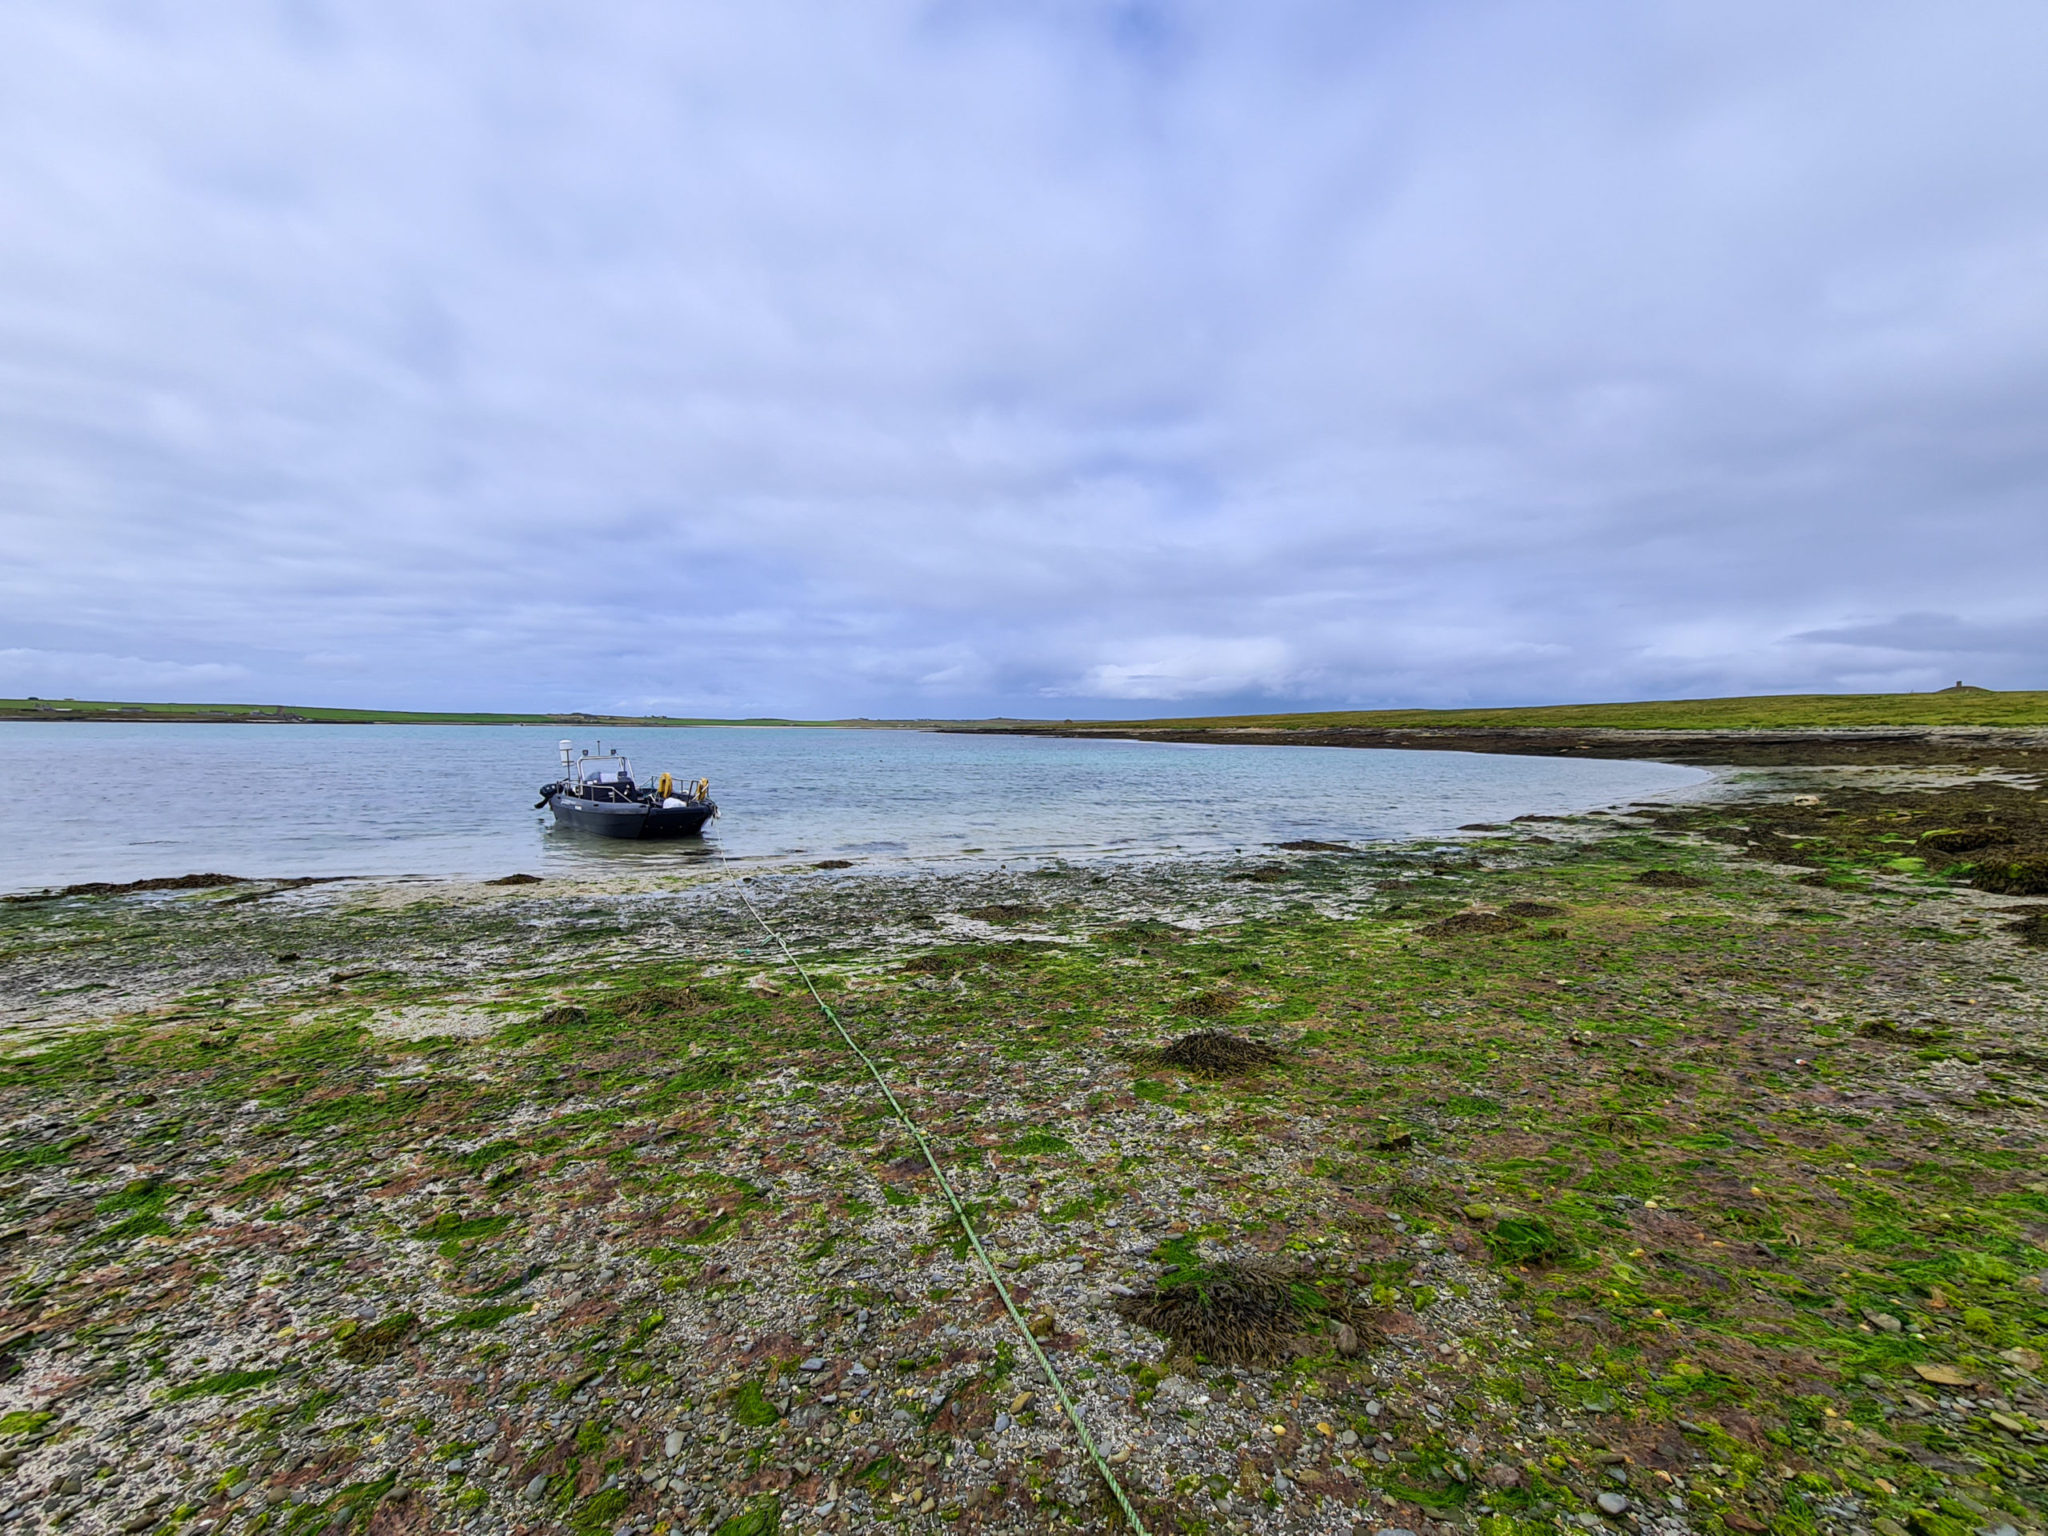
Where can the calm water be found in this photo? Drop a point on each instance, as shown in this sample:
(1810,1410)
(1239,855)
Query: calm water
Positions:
(126,802)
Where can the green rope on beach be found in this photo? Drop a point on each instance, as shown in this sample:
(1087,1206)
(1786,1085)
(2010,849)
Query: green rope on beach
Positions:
(960,1214)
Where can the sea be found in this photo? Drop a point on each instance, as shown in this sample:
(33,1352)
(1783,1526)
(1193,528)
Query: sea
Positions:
(120,801)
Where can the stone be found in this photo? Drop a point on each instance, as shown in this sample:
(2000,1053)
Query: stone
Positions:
(1612,1504)
(1349,1437)
(1942,1375)
(1347,1339)
(815,1363)
(1501,1475)
(535,1484)
(672,1443)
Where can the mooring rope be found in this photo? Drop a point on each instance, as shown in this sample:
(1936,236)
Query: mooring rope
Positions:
(959,1211)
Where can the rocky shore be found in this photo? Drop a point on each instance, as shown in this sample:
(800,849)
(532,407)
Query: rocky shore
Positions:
(1679,1169)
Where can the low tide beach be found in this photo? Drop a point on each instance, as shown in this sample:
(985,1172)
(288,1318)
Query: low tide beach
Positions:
(1675,1168)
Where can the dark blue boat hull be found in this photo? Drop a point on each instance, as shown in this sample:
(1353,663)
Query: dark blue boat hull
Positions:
(628,819)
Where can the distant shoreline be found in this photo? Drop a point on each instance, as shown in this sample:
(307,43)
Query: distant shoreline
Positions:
(1533,728)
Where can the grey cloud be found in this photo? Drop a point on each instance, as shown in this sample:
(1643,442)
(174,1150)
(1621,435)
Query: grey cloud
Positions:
(1030,357)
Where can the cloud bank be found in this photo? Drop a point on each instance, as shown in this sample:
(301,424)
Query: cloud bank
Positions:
(1053,358)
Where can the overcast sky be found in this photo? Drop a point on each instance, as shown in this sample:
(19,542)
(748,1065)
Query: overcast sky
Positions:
(1066,358)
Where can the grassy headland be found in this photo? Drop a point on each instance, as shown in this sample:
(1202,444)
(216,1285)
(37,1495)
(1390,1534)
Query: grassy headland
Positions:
(1677,1172)
(1768,712)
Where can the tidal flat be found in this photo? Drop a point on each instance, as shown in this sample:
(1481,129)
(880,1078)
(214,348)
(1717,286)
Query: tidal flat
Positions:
(1683,1169)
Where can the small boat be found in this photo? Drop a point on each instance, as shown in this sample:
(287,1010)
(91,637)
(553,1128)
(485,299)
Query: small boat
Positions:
(597,793)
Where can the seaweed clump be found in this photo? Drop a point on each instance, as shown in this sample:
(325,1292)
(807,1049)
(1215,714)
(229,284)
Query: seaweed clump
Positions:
(1003,912)
(650,1003)
(951,962)
(1964,839)
(1219,1052)
(1461,925)
(2033,929)
(133,887)
(1532,909)
(1528,1240)
(1232,1313)
(2012,877)
(1669,880)
(378,1342)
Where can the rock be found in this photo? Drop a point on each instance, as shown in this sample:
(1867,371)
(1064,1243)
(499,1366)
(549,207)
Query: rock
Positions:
(1391,1530)
(1884,1321)
(1281,1484)
(2025,1359)
(672,1443)
(815,1363)
(1612,1504)
(1885,1525)
(535,1484)
(1347,1339)
(1501,1475)
(1022,1401)
(1349,1437)
(1943,1375)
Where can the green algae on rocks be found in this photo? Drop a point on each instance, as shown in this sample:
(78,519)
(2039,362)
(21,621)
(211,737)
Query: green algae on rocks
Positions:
(560,1208)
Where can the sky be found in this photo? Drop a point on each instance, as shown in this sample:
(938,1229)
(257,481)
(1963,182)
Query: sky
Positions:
(1071,359)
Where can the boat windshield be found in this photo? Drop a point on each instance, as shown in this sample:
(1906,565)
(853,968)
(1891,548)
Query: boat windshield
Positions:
(603,770)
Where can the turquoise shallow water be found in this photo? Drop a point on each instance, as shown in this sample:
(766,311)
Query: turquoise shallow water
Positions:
(127,802)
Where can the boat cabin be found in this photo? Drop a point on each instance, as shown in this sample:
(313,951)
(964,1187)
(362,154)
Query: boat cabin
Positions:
(607,776)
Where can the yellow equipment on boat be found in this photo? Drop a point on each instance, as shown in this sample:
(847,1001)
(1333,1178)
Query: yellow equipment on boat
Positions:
(664,786)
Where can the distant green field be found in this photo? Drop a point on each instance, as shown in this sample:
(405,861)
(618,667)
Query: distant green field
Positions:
(1968,706)
(95,709)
